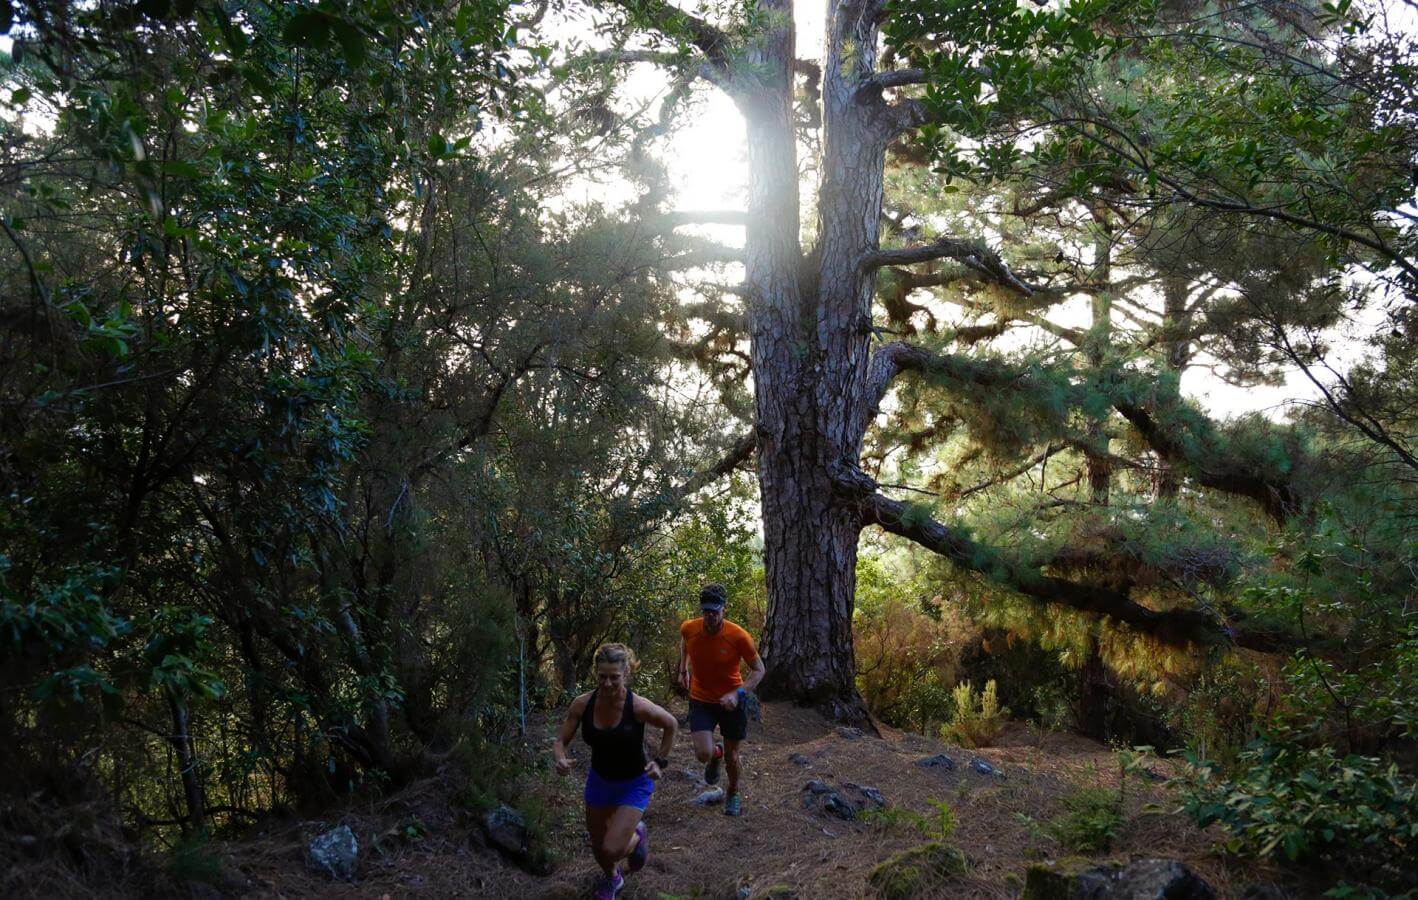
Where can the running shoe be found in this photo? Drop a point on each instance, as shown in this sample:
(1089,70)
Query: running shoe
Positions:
(711,768)
(636,860)
(733,806)
(609,886)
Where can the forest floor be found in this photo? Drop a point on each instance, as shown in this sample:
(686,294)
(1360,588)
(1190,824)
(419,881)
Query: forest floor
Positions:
(778,843)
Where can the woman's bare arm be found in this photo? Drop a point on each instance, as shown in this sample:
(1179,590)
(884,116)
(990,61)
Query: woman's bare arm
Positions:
(566,732)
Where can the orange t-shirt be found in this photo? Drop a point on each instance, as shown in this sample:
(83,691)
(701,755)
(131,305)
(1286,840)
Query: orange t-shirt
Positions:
(714,658)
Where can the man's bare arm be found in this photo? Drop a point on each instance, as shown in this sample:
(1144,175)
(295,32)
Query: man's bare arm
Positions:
(683,664)
(756,671)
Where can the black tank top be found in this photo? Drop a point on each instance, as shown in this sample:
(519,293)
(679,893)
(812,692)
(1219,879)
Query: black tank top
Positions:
(618,752)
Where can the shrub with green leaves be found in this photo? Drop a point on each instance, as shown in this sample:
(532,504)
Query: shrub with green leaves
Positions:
(939,828)
(1090,822)
(1286,802)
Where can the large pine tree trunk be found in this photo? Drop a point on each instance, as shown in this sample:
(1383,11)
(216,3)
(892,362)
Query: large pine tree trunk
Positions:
(809,323)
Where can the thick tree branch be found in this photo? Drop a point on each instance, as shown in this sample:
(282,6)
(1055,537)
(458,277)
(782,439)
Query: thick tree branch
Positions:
(1199,455)
(688,66)
(974,255)
(675,24)
(741,450)
(895,78)
(702,253)
(717,315)
(885,364)
(1177,627)
(647,513)
(706,217)
(1278,497)
(657,57)
(1005,477)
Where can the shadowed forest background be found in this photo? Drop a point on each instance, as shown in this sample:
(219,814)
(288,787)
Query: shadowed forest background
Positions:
(360,375)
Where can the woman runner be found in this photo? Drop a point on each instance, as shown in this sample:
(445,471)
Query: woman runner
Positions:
(612,720)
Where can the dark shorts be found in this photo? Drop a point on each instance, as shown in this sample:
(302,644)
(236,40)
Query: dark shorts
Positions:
(633,792)
(733,723)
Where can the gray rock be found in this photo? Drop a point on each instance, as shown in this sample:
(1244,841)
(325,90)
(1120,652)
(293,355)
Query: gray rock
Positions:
(1148,879)
(1067,879)
(710,797)
(1159,879)
(821,795)
(839,806)
(799,759)
(506,832)
(334,852)
(870,793)
(939,761)
(849,732)
(984,768)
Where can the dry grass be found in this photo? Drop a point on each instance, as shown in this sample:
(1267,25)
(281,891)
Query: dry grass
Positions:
(701,853)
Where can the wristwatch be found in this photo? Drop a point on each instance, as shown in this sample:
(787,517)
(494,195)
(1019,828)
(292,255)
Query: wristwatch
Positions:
(662,761)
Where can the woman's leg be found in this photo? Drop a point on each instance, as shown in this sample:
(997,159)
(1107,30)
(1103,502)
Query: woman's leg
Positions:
(598,819)
(620,837)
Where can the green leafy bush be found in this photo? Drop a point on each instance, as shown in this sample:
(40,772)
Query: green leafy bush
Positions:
(1286,802)
(1090,822)
(977,720)
(941,828)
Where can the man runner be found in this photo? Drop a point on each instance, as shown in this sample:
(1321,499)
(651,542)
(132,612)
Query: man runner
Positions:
(710,651)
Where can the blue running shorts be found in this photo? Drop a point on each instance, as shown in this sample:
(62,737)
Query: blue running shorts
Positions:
(634,792)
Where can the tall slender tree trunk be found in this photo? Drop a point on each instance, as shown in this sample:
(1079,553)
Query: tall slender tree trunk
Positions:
(1095,688)
(181,740)
(1178,355)
(1100,335)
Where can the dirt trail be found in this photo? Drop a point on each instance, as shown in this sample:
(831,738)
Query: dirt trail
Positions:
(699,852)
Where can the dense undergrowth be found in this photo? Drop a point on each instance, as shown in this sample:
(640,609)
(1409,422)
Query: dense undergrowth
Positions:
(336,437)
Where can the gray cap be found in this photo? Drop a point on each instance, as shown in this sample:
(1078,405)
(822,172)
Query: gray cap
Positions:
(713,596)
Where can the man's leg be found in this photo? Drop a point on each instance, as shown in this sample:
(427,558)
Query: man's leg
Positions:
(734,726)
(702,720)
(731,765)
(703,742)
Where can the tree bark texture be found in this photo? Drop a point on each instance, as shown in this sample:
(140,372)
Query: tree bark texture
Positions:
(808,320)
